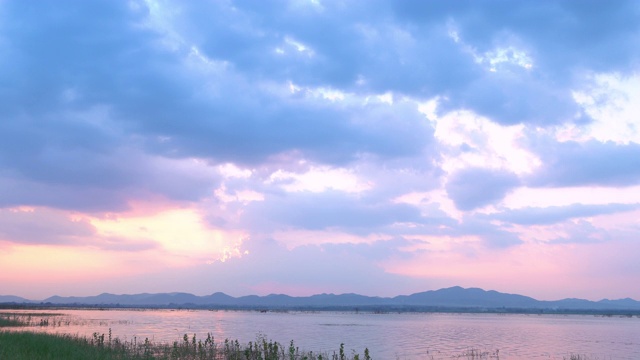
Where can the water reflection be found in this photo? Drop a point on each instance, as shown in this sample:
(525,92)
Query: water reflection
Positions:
(388,336)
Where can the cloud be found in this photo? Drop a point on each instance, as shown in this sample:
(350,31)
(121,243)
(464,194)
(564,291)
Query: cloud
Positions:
(120,90)
(582,232)
(477,187)
(533,68)
(556,214)
(87,182)
(63,143)
(379,250)
(17,190)
(343,267)
(67,54)
(421,51)
(114,243)
(593,163)
(328,210)
(30,226)
(517,96)
(492,236)
(455,122)
(587,34)
(336,46)
(43,226)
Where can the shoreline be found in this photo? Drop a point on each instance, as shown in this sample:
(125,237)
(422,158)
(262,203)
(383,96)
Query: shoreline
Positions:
(348,309)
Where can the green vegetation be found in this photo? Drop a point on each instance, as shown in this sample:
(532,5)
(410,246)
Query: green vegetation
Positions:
(11,320)
(39,346)
(18,345)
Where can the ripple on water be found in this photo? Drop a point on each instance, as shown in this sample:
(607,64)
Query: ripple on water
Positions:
(388,336)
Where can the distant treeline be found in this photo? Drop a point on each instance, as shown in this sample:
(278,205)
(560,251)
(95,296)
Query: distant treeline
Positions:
(359,309)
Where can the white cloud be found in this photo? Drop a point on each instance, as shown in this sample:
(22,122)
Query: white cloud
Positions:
(544,197)
(613,101)
(320,178)
(476,141)
(229,170)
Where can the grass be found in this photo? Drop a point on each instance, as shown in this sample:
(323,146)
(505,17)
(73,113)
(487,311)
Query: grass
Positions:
(9,322)
(40,346)
(18,345)
(26,319)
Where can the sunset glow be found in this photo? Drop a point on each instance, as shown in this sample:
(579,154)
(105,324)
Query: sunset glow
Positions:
(381,148)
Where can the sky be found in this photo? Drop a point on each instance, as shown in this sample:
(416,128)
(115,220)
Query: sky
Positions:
(312,146)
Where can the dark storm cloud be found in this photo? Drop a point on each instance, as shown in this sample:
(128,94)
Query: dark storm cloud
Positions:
(556,214)
(476,187)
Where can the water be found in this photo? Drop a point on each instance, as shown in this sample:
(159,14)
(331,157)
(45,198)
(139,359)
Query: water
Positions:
(388,336)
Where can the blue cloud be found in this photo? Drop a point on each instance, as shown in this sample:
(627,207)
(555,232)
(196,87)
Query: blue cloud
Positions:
(561,34)
(517,96)
(491,235)
(42,227)
(556,214)
(591,163)
(99,90)
(328,210)
(378,250)
(476,187)
(93,89)
(583,232)
(341,267)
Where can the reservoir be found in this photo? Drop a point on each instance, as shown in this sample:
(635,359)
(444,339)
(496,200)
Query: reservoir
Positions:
(387,336)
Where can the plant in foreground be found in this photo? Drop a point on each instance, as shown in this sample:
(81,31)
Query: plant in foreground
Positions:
(36,346)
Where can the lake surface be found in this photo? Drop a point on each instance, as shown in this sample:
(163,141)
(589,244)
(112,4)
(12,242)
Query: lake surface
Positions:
(388,336)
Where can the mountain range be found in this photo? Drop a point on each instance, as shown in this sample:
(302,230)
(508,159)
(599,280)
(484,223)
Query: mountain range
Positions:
(472,299)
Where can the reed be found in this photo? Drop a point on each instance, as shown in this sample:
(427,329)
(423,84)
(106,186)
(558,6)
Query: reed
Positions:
(577,357)
(18,345)
(10,320)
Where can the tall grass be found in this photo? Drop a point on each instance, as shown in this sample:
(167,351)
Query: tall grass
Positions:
(11,320)
(5,322)
(18,345)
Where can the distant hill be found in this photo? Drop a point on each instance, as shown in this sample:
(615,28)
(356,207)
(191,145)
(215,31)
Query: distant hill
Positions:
(472,299)
(12,299)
